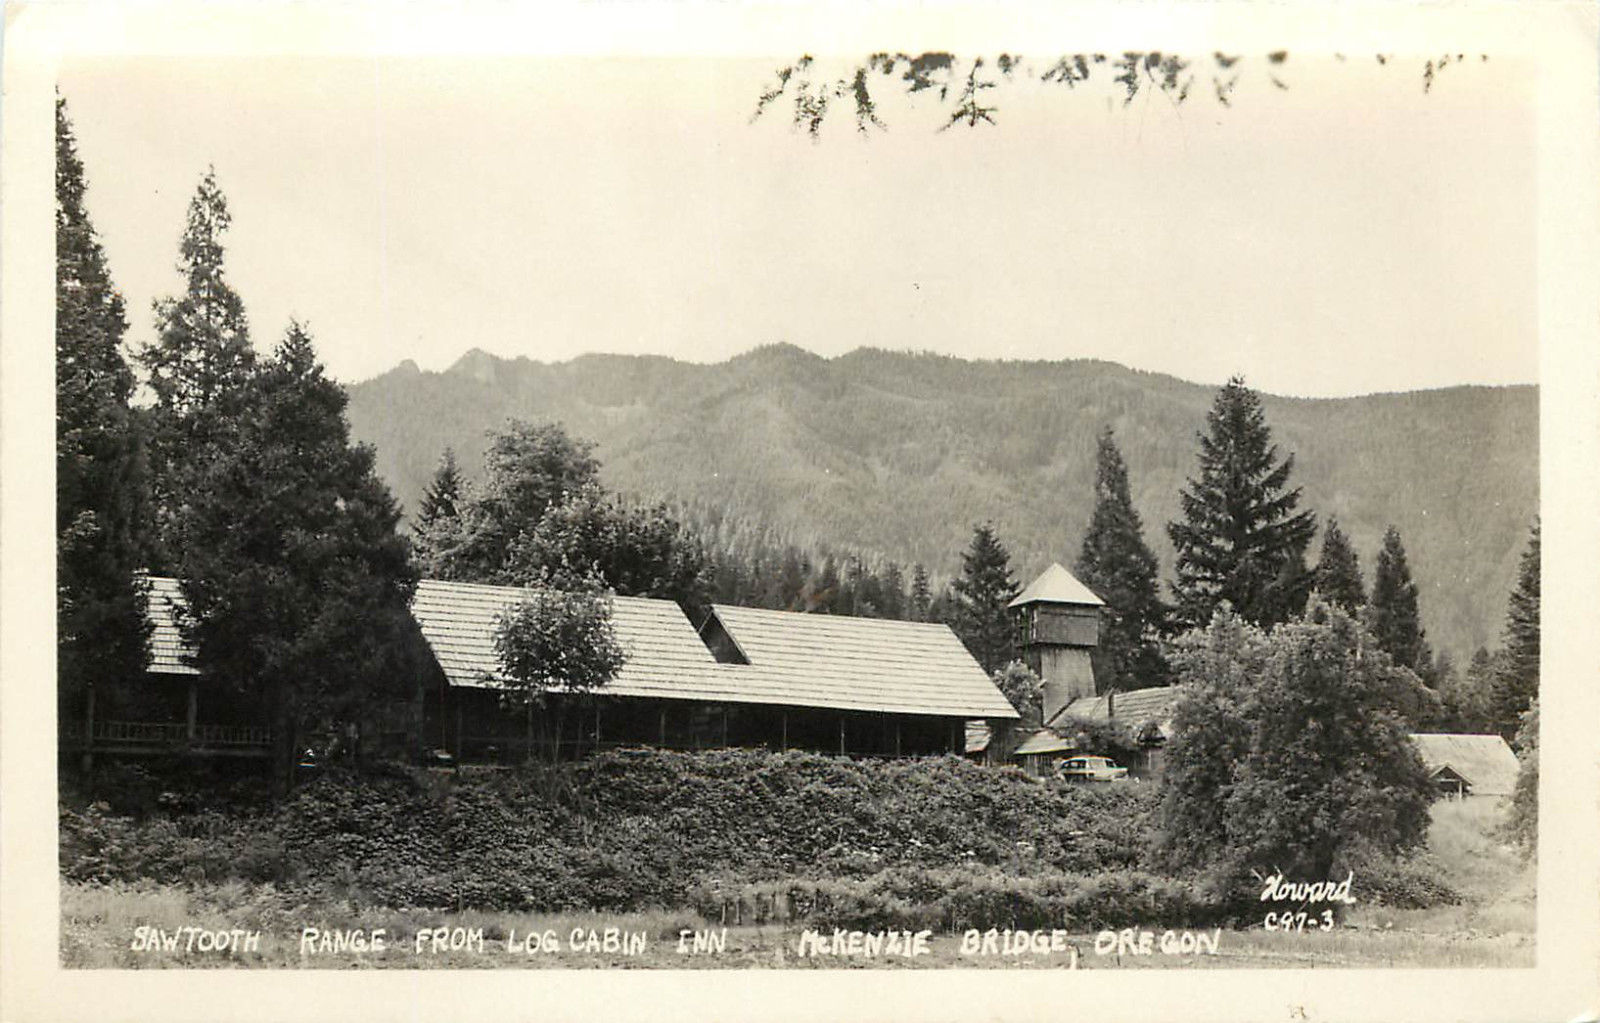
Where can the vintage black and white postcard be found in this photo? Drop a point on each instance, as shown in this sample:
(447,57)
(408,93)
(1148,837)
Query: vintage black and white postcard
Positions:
(712,511)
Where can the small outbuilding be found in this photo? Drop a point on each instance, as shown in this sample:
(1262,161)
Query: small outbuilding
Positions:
(1468,765)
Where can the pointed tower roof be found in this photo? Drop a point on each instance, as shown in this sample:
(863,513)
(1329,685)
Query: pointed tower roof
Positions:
(1056,585)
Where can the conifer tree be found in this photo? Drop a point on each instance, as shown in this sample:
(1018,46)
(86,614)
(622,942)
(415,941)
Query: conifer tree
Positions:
(295,578)
(1338,571)
(442,497)
(101,529)
(200,369)
(982,592)
(790,582)
(824,594)
(437,531)
(920,599)
(1396,622)
(892,591)
(1517,678)
(1240,539)
(1120,568)
(1469,703)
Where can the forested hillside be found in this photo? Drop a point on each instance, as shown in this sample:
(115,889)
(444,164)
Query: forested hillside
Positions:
(900,454)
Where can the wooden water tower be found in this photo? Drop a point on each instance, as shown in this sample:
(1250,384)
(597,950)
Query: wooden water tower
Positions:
(1058,626)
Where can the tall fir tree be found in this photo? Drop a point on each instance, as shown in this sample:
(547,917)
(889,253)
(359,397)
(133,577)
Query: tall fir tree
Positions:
(296,579)
(789,582)
(1338,571)
(824,595)
(1516,683)
(1396,621)
(199,368)
(101,527)
(1120,568)
(443,495)
(437,532)
(983,592)
(892,591)
(920,599)
(1240,539)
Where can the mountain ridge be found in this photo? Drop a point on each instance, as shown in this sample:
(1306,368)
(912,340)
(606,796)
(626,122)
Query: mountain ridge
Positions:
(898,453)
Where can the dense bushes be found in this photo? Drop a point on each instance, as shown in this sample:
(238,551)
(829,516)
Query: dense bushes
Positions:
(623,830)
(943,842)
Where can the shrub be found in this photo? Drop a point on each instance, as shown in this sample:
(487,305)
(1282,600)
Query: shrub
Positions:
(633,829)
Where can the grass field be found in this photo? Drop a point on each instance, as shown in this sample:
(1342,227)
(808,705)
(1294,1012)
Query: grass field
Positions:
(1493,926)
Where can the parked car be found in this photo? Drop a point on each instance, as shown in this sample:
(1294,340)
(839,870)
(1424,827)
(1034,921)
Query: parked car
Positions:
(1088,768)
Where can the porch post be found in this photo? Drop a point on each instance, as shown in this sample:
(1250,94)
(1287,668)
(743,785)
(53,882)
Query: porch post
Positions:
(662,740)
(786,730)
(841,735)
(194,709)
(896,737)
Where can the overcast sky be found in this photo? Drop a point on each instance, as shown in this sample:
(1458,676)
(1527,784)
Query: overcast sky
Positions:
(1349,234)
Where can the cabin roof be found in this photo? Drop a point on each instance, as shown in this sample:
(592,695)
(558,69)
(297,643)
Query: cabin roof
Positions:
(869,664)
(664,656)
(797,660)
(167,648)
(1484,761)
(1044,741)
(1135,707)
(1056,585)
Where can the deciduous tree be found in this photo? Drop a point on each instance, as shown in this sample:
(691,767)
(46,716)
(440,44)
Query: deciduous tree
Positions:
(554,645)
(1022,688)
(528,468)
(1523,821)
(636,552)
(1288,750)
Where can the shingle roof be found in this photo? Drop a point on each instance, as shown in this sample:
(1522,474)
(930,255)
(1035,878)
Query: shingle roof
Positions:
(1485,761)
(664,655)
(167,648)
(1056,585)
(797,659)
(867,664)
(1044,741)
(1134,707)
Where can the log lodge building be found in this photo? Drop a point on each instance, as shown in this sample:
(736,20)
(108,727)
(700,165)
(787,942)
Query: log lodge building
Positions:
(746,677)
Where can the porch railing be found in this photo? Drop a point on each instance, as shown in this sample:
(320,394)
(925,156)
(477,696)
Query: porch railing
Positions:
(168,734)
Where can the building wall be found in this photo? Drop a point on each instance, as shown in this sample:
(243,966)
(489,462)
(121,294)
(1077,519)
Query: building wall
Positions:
(1066,672)
(473,726)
